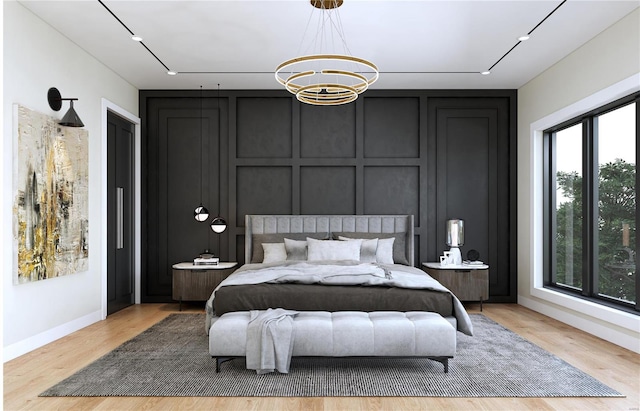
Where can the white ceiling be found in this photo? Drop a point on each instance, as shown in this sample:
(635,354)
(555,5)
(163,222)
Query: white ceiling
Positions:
(241,42)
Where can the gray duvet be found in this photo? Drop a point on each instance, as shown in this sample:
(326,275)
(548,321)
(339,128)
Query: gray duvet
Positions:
(379,284)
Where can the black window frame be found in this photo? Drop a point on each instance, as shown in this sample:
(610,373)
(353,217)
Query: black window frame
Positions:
(590,168)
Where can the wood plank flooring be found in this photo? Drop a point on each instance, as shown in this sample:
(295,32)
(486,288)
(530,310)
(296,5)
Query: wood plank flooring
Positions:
(27,376)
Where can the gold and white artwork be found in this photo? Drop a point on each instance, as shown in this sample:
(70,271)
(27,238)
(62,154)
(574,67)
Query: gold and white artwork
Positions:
(51,186)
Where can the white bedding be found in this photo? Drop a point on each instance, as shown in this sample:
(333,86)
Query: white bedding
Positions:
(339,273)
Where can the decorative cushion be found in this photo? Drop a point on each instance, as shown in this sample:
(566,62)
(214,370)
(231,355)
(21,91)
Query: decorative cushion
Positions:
(367,250)
(257,240)
(274,252)
(399,245)
(333,250)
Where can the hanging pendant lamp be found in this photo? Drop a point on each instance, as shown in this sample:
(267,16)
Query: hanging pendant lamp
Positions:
(218,224)
(201,213)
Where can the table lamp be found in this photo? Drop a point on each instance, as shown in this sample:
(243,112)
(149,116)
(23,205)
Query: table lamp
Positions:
(455,239)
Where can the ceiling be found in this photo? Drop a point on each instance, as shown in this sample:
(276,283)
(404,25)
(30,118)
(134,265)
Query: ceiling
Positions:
(415,44)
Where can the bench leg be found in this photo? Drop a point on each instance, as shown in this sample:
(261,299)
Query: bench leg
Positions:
(220,360)
(443,360)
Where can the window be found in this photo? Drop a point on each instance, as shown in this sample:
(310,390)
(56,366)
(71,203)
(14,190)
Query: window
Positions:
(568,207)
(590,209)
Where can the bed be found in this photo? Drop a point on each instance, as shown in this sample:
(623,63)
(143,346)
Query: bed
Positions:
(336,271)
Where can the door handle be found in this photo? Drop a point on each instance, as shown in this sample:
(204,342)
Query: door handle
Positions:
(119,218)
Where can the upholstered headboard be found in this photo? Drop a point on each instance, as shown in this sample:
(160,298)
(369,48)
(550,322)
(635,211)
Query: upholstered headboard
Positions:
(330,224)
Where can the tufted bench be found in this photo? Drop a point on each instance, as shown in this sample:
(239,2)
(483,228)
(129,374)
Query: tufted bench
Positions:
(346,334)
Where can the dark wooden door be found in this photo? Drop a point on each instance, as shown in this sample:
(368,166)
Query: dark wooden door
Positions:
(120,212)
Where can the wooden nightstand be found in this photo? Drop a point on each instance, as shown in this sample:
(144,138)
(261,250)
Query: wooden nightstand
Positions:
(467,282)
(196,282)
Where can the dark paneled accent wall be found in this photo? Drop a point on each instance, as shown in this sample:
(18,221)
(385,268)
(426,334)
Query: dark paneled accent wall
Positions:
(436,154)
(181,131)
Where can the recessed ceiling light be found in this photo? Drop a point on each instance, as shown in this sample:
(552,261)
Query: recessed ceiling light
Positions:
(523,38)
(172,73)
(136,38)
(485,73)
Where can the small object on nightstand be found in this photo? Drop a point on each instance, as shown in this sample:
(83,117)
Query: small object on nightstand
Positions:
(467,262)
(206,261)
(206,258)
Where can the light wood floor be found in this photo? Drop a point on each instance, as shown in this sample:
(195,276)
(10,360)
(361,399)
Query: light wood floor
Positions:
(27,376)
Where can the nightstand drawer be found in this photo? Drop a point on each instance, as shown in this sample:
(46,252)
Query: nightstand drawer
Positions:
(467,283)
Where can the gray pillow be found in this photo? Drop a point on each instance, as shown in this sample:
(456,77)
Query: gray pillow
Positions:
(257,252)
(399,245)
(296,250)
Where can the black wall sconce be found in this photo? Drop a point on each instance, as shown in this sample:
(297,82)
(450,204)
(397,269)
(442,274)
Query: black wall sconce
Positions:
(71,119)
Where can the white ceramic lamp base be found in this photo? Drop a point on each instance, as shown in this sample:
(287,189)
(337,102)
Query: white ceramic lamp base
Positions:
(455,258)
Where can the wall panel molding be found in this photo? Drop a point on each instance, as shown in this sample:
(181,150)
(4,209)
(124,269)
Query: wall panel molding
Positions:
(432,153)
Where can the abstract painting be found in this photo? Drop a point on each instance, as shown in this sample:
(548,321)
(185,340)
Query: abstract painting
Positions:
(51,186)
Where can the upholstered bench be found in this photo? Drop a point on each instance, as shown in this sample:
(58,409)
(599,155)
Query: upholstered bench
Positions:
(346,334)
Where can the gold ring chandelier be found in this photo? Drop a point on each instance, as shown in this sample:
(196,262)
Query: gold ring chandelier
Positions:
(327,79)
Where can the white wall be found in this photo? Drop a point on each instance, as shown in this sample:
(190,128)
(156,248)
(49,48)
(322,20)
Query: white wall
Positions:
(602,70)
(36,57)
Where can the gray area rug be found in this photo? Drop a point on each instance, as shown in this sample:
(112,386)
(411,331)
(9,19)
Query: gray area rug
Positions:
(171,359)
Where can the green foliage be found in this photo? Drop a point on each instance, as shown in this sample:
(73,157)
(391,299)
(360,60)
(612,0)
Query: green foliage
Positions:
(617,206)
(569,232)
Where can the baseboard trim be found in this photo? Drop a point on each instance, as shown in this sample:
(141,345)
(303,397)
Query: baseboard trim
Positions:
(27,345)
(608,332)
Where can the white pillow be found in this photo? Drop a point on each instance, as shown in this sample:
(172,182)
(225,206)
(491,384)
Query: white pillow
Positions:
(274,252)
(368,249)
(333,250)
(384,252)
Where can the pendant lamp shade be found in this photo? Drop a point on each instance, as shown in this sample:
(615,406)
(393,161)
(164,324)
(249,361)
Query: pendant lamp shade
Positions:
(201,213)
(218,225)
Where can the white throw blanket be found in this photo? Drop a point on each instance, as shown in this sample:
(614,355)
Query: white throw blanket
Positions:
(270,337)
(339,273)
